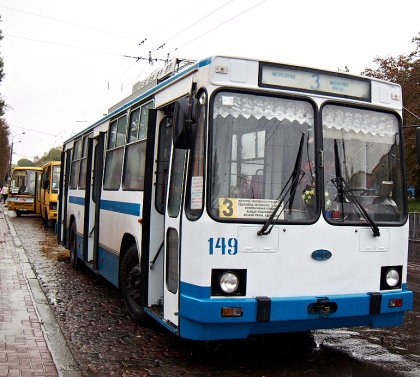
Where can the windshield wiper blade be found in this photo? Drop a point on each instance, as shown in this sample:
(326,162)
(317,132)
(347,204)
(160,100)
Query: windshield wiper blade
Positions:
(344,191)
(340,182)
(294,178)
(296,173)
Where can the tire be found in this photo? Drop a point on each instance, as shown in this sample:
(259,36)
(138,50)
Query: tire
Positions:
(74,260)
(44,219)
(18,213)
(130,284)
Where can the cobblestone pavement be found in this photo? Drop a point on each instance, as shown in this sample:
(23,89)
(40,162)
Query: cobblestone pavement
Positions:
(23,348)
(106,342)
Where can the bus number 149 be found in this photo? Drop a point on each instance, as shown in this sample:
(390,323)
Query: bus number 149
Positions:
(224,245)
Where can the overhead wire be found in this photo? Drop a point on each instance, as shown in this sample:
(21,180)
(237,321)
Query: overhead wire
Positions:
(67,22)
(64,45)
(195,23)
(29,129)
(102,93)
(221,24)
(146,55)
(143,43)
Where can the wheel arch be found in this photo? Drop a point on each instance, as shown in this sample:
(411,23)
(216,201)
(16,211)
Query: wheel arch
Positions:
(71,221)
(127,240)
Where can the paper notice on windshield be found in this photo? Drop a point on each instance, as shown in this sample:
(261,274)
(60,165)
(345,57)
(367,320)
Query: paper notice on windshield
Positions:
(234,208)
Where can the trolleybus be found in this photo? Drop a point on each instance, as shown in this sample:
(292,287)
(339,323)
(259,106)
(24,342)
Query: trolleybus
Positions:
(230,196)
(22,190)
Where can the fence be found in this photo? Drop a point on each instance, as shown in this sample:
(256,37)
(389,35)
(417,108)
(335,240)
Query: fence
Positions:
(414,230)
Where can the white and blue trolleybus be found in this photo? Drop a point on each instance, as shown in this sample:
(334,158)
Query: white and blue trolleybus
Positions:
(229,196)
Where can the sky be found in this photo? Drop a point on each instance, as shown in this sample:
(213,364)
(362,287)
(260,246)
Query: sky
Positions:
(67,62)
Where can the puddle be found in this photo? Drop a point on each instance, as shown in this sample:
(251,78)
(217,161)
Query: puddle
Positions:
(55,253)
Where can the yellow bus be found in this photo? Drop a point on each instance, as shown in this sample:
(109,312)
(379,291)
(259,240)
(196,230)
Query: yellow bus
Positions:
(22,189)
(49,192)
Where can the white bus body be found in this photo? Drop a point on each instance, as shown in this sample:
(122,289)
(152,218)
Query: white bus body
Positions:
(174,209)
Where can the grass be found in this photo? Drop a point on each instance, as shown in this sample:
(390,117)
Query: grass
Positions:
(413,205)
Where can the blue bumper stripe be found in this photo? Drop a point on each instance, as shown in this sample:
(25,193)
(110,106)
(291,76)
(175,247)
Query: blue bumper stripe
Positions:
(200,316)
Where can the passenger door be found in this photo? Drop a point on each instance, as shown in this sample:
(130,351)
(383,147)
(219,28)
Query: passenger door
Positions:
(173,228)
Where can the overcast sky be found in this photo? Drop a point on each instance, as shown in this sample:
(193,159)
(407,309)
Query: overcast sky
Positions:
(65,61)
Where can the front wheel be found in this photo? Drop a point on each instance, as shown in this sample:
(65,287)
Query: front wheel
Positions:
(130,283)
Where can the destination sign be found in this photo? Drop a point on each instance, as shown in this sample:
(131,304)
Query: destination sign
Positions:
(315,81)
(247,208)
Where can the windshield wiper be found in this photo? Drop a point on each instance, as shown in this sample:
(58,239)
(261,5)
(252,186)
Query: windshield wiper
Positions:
(294,178)
(344,191)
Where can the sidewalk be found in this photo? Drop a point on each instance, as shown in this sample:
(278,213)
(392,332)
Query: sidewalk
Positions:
(31,342)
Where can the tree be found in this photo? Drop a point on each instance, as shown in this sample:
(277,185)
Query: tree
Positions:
(3,106)
(405,70)
(4,148)
(4,130)
(25,162)
(54,154)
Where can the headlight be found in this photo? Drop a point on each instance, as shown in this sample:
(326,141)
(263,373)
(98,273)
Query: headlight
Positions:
(392,277)
(229,282)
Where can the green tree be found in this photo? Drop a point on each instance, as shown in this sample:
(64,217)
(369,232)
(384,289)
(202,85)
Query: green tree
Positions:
(54,154)
(25,162)
(4,149)
(405,70)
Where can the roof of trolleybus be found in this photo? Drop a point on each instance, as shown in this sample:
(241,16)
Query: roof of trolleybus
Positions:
(146,90)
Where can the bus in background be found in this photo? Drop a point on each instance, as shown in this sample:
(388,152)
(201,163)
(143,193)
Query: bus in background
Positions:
(22,190)
(49,192)
(231,196)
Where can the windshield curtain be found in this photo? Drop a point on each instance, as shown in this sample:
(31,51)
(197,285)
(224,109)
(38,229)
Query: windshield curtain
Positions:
(255,145)
(364,147)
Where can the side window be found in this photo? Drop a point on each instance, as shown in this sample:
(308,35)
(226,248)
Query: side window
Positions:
(46,178)
(195,186)
(121,131)
(176,182)
(55,177)
(115,153)
(164,150)
(133,133)
(83,163)
(135,152)
(75,164)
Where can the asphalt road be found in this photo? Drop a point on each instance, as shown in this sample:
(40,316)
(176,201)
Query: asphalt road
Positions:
(106,342)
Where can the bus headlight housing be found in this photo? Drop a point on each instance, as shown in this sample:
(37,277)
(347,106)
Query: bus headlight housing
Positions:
(391,277)
(228,282)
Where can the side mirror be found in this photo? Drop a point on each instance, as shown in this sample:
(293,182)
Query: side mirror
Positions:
(186,114)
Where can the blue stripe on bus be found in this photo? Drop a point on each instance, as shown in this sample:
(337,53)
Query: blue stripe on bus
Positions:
(200,316)
(77,200)
(121,207)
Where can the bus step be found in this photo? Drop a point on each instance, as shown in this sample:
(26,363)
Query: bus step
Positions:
(157,311)
(90,265)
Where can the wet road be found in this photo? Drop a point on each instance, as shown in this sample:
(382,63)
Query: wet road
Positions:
(105,341)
